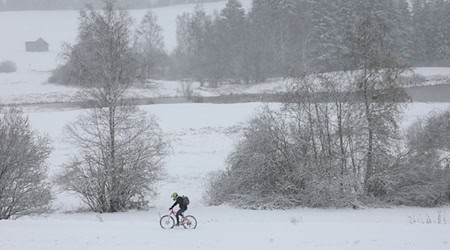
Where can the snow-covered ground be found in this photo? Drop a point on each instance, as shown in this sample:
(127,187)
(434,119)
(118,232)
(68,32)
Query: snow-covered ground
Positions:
(201,136)
(225,228)
(32,87)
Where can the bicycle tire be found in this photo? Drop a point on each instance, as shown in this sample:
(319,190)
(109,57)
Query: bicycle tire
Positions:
(167,222)
(190,222)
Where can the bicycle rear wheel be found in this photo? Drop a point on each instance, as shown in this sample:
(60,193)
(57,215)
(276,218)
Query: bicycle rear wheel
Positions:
(167,222)
(189,222)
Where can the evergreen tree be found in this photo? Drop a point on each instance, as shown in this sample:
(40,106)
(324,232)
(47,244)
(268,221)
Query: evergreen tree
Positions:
(326,39)
(193,32)
(149,46)
(232,31)
(442,31)
(423,31)
(402,28)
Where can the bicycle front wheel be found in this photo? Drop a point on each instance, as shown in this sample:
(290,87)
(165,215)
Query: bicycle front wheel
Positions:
(167,222)
(189,222)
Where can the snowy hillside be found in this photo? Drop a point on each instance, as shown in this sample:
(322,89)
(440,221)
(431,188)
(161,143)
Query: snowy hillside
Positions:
(202,135)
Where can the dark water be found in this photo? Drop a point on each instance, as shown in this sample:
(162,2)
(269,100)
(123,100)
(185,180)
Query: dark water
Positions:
(439,93)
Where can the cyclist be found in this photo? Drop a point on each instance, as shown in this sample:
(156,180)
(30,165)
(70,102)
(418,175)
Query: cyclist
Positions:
(178,201)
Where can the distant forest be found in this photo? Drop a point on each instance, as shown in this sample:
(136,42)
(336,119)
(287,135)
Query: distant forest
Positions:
(282,38)
(16,5)
(278,37)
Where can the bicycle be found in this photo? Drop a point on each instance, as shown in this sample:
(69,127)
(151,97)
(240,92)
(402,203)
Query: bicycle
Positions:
(168,221)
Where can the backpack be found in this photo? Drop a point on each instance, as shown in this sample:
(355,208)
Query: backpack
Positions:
(185,200)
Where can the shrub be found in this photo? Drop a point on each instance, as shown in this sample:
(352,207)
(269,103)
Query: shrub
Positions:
(268,170)
(23,153)
(423,176)
(62,75)
(7,67)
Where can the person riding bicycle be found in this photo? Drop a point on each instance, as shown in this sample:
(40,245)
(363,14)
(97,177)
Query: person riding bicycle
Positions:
(178,201)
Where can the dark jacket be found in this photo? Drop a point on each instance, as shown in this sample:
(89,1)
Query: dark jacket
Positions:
(179,201)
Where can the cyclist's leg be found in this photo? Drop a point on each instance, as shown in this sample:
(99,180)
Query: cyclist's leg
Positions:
(180,212)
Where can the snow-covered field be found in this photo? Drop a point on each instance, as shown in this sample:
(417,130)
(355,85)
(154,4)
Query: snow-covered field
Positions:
(201,136)
(228,229)
(29,83)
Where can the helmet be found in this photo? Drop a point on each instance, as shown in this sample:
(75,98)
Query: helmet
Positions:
(174,196)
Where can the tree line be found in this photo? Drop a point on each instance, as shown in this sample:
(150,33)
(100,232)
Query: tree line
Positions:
(285,37)
(15,5)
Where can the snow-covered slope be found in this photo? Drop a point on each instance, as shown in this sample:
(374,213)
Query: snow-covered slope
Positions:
(202,135)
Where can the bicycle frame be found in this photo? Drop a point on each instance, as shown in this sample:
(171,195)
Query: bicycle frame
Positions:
(187,221)
(174,215)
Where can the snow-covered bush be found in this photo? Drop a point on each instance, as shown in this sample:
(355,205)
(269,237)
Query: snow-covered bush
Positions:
(411,80)
(62,75)
(439,218)
(329,145)
(23,154)
(259,173)
(187,89)
(8,67)
(218,188)
(272,167)
(423,178)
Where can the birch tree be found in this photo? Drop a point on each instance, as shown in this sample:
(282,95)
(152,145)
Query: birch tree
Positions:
(120,148)
(381,95)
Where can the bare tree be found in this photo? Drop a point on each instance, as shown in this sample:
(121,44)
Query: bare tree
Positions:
(120,148)
(381,94)
(324,114)
(149,46)
(23,171)
(119,160)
